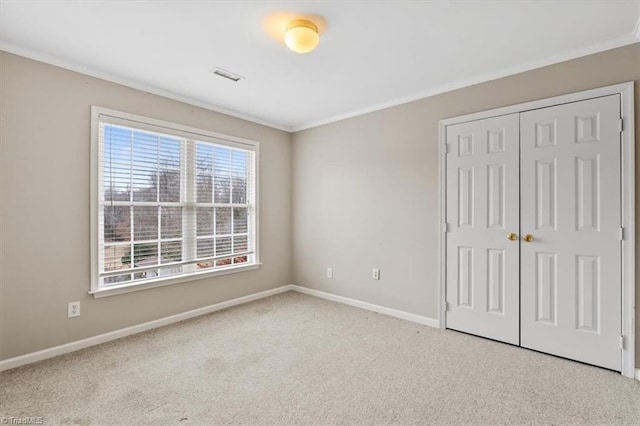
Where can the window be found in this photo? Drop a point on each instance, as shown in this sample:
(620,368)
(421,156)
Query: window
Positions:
(169,202)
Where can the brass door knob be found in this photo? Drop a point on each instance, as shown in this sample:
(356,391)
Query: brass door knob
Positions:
(528,238)
(512,236)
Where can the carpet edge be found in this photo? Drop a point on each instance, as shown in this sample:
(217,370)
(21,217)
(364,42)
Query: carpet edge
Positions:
(408,316)
(29,358)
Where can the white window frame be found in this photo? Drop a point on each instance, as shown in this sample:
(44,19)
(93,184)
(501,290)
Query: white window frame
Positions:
(146,123)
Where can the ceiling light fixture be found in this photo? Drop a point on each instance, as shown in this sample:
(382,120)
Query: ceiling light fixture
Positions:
(301,36)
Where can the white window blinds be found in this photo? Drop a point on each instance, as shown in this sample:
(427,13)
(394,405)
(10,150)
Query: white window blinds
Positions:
(171,202)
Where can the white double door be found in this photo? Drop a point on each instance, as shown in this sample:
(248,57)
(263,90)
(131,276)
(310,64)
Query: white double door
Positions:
(533,245)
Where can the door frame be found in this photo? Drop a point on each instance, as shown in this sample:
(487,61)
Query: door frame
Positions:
(625,90)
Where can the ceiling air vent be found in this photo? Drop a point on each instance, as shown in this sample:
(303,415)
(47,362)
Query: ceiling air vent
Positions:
(227,74)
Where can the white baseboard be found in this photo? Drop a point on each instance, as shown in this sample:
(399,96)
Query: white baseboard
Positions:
(431,322)
(117,334)
(638,374)
(19,361)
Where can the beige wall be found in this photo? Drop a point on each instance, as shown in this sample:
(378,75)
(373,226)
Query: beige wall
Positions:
(364,195)
(365,190)
(44,208)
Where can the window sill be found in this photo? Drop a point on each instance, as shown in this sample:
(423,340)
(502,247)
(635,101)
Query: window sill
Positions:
(161,282)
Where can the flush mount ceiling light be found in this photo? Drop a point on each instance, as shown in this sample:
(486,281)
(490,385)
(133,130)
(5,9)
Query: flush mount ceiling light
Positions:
(301,36)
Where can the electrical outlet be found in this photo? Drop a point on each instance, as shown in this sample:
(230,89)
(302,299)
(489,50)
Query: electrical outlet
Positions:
(329,273)
(73,309)
(376,274)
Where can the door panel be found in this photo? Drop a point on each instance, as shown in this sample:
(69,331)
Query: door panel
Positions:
(482,282)
(570,203)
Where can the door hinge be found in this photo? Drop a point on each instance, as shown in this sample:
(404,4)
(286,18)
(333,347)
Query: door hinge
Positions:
(446,148)
(620,125)
(622,233)
(445,306)
(621,342)
(445,227)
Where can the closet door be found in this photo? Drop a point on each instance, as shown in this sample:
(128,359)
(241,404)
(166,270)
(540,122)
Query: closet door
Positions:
(482,288)
(570,200)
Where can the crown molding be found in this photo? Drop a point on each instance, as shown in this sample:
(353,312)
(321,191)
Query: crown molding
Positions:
(61,63)
(595,48)
(631,38)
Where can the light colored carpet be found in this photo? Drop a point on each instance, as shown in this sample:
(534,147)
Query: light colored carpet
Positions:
(296,359)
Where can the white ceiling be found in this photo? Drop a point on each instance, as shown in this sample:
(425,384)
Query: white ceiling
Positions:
(372,54)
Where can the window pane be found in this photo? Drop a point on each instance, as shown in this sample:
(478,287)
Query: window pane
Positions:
(117,163)
(240,244)
(117,279)
(117,224)
(113,257)
(239,220)
(204,172)
(144,177)
(145,254)
(145,223)
(223,220)
(222,175)
(204,191)
(239,181)
(224,262)
(240,259)
(171,222)
(169,165)
(204,221)
(239,190)
(223,246)
(206,264)
(169,190)
(222,188)
(171,251)
(145,274)
(205,248)
(170,270)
